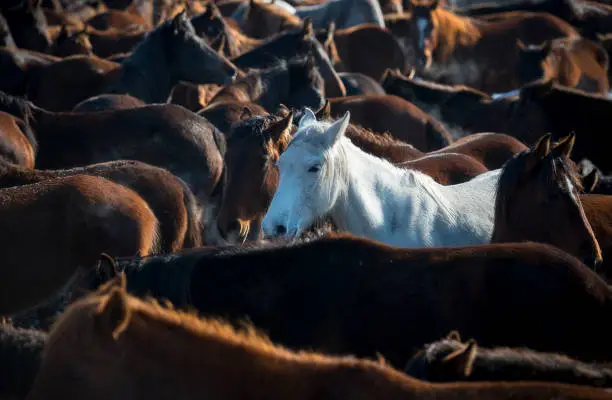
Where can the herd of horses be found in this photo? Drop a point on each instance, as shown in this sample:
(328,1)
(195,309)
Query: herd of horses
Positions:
(305,199)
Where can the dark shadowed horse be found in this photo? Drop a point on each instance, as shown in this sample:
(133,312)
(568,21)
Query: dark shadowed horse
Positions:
(142,339)
(6,39)
(357,296)
(169,54)
(27,23)
(288,45)
(459,50)
(572,62)
(20,356)
(90,216)
(451,360)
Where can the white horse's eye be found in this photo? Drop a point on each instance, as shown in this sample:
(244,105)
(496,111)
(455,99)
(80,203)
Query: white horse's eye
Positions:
(314,168)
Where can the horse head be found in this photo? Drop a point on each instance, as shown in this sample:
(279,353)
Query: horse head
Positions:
(424,31)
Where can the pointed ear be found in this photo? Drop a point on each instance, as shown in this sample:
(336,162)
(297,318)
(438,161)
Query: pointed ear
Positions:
(324,112)
(308,117)
(520,44)
(208,11)
(221,45)
(281,130)
(337,129)
(590,181)
(454,335)
(565,146)
(411,75)
(307,30)
(246,113)
(542,147)
(434,4)
(546,48)
(462,361)
(113,315)
(107,268)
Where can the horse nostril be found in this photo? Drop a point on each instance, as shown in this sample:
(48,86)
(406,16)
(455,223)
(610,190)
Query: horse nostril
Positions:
(281,229)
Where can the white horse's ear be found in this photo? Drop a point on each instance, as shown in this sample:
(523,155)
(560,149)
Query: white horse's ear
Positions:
(337,129)
(308,117)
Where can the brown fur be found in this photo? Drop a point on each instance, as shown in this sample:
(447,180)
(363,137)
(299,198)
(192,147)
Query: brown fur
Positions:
(15,146)
(457,40)
(564,218)
(117,19)
(90,216)
(392,114)
(109,339)
(168,197)
(366,48)
(573,62)
(107,43)
(263,20)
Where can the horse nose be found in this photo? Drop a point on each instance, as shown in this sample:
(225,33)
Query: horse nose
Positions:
(281,230)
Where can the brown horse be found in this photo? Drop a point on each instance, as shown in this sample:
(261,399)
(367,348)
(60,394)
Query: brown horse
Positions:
(262,20)
(176,139)
(108,43)
(481,54)
(128,333)
(67,44)
(392,114)
(27,23)
(572,62)
(366,48)
(451,360)
(224,115)
(108,102)
(170,53)
(118,20)
(172,202)
(17,144)
(98,216)
(538,199)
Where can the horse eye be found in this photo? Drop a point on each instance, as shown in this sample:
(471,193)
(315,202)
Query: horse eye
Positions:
(314,168)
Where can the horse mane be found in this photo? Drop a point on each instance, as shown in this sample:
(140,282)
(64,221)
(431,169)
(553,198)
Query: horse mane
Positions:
(447,88)
(454,29)
(16,106)
(512,171)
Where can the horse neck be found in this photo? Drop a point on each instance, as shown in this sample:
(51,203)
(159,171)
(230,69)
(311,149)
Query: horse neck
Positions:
(359,208)
(380,147)
(147,72)
(453,31)
(239,42)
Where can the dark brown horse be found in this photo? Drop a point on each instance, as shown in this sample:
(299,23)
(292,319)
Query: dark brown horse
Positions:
(170,199)
(366,48)
(131,335)
(27,24)
(176,139)
(17,68)
(108,102)
(17,144)
(364,297)
(539,199)
(68,44)
(298,42)
(20,356)
(101,216)
(171,53)
(481,54)
(572,62)
(392,114)
(451,360)
(6,39)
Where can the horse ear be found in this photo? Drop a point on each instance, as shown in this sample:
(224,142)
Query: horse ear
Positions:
(542,147)
(454,335)
(280,131)
(434,4)
(246,113)
(520,44)
(307,29)
(107,268)
(590,181)
(307,117)
(337,129)
(330,33)
(462,360)
(410,76)
(114,314)
(546,48)
(325,111)
(565,146)
(208,11)
(220,44)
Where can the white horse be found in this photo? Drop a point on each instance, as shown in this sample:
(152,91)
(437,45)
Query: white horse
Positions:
(322,173)
(343,13)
